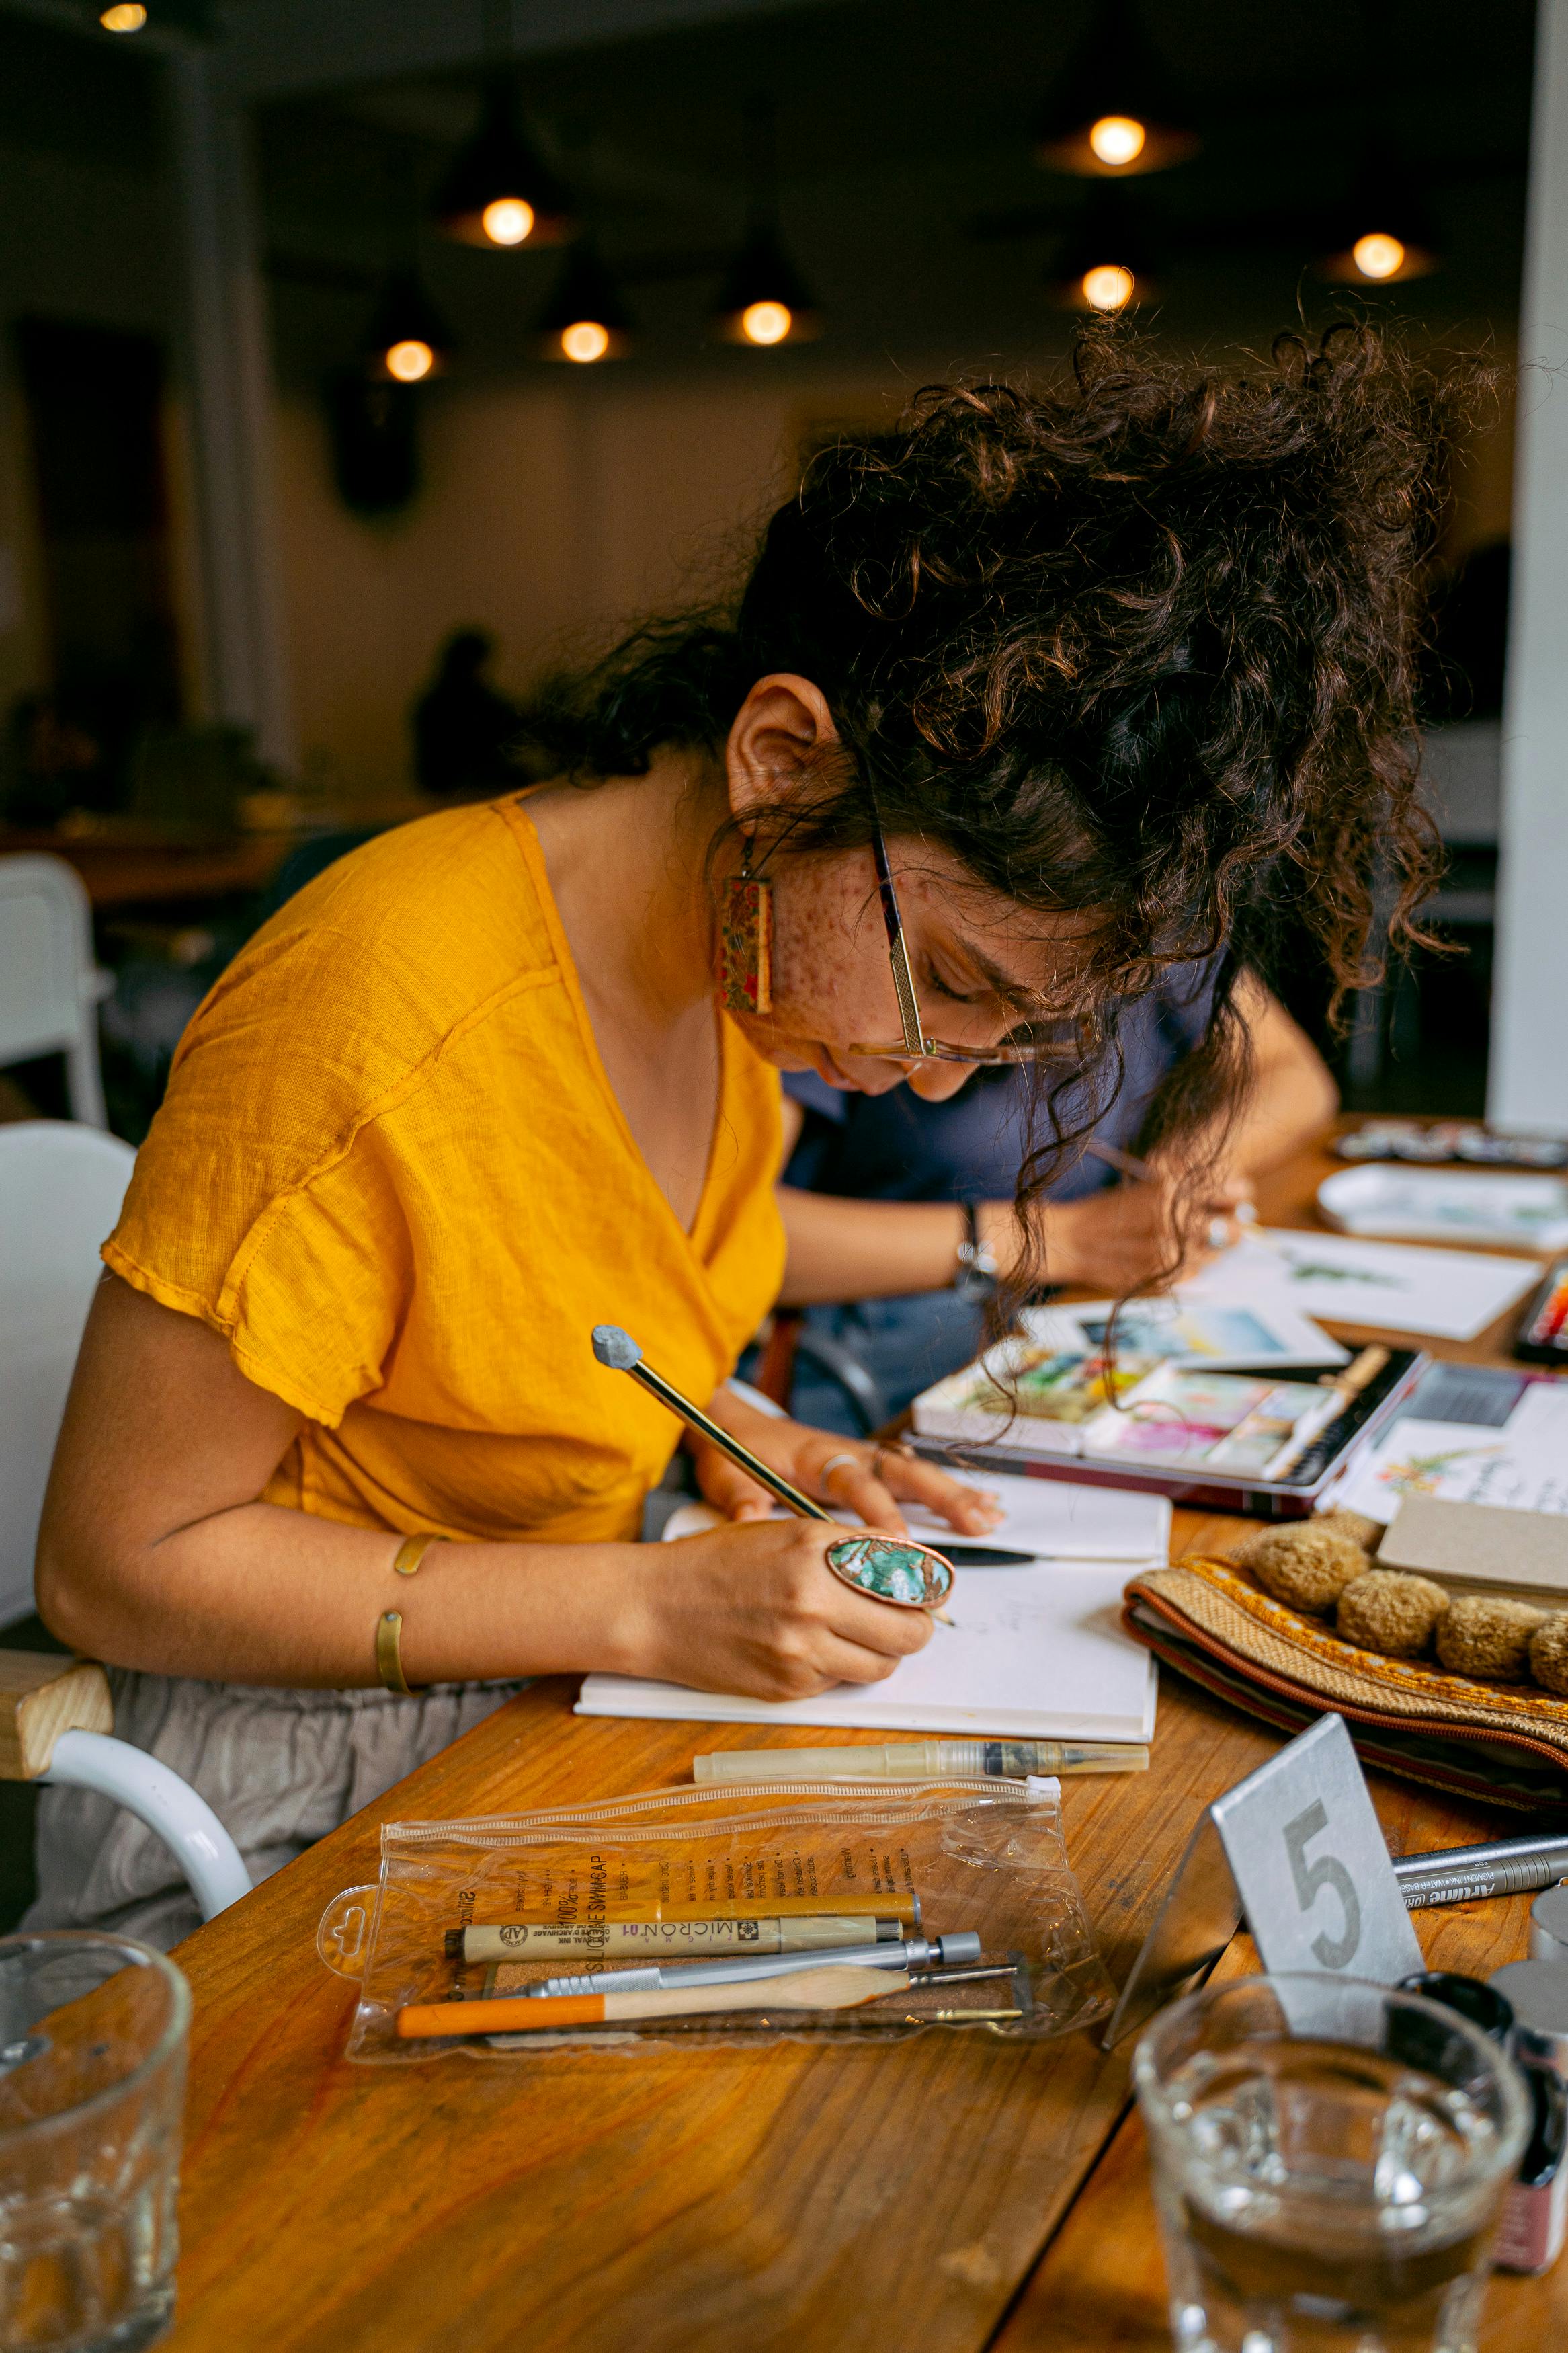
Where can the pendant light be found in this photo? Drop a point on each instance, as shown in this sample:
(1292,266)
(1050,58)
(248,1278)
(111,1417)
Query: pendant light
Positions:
(586,319)
(1104,263)
(123,16)
(763,300)
(1386,235)
(406,339)
(497,192)
(1115,113)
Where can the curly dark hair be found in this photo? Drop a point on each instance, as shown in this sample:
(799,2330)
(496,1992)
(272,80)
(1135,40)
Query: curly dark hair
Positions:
(1142,647)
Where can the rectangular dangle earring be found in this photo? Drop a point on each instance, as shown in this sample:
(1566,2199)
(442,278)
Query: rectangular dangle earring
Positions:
(746,941)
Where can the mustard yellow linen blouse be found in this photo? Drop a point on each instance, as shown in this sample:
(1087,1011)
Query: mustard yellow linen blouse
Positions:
(391,1170)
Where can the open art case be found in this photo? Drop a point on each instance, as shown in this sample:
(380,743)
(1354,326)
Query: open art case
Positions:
(939,1858)
(1266,1440)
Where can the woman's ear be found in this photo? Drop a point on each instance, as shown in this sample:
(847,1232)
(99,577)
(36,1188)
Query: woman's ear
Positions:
(779,733)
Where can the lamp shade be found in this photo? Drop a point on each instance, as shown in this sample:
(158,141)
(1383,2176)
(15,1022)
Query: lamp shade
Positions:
(497,192)
(586,319)
(1104,262)
(1386,233)
(763,300)
(406,338)
(1115,110)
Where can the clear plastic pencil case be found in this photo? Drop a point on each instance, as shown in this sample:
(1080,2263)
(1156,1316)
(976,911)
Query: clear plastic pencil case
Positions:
(934,1905)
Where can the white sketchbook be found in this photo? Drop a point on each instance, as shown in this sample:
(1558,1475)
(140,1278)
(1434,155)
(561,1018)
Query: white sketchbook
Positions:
(1034,1652)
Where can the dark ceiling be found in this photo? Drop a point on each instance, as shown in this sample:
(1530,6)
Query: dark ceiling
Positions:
(908,196)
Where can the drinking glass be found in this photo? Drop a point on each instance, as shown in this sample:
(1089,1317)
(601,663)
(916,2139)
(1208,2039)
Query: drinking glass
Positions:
(92,2079)
(1330,2161)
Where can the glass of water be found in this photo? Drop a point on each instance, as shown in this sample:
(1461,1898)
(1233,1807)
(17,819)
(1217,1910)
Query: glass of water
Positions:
(1330,2161)
(92,2079)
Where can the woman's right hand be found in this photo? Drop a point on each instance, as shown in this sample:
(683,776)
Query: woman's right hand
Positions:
(755,1608)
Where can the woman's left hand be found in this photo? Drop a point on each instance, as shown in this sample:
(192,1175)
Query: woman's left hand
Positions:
(845,1474)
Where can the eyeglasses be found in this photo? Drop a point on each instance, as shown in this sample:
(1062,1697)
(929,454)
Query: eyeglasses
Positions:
(1032,1044)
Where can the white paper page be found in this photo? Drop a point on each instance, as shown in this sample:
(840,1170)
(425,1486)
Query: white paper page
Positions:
(1061,1522)
(1523,1467)
(1390,1286)
(1047,1517)
(1033,1652)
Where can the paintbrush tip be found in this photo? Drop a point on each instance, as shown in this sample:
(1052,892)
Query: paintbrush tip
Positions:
(616,1348)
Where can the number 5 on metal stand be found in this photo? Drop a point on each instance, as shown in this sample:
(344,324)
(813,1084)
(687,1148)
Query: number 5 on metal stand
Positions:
(1295,1849)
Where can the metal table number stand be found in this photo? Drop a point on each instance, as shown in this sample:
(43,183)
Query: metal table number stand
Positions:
(1296,1850)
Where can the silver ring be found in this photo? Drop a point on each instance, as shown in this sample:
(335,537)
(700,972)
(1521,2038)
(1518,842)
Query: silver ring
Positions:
(831,1465)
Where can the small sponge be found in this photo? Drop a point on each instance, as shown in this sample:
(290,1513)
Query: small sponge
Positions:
(1390,1613)
(1549,1653)
(1367,1532)
(1489,1640)
(1307,1568)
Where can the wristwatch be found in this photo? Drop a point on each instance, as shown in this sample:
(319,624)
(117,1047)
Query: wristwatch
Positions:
(977,1269)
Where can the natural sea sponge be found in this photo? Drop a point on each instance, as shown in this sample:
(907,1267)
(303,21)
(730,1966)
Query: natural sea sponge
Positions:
(1549,1653)
(1367,1532)
(1387,1611)
(1489,1640)
(1307,1568)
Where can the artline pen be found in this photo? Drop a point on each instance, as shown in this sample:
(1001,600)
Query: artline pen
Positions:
(522,1940)
(918,1953)
(923,1760)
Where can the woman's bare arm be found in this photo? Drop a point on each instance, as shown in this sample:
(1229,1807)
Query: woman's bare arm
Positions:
(156,1552)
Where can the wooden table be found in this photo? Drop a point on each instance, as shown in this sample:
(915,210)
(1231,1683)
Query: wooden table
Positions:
(946,2194)
(124,872)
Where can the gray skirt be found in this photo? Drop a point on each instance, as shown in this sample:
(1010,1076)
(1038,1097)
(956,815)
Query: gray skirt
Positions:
(279,1769)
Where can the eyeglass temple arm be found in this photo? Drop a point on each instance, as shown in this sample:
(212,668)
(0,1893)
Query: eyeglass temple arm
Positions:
(898,954)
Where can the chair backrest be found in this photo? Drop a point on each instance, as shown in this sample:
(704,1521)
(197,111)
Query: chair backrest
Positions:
(47,996)
(62,1186)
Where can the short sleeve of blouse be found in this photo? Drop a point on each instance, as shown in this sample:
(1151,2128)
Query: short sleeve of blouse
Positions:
(265,1198)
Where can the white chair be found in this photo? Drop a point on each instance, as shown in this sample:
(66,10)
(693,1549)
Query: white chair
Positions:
(60,1190)
(51,988)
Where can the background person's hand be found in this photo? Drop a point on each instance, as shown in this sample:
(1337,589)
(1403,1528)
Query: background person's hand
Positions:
(756,1611)
(872,1481)
(1120,1238)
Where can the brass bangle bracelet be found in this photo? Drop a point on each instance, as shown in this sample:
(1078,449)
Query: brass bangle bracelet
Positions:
(406,1562)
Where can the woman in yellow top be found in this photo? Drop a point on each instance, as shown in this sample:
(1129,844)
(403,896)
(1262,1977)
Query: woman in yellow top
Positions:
(1088,682)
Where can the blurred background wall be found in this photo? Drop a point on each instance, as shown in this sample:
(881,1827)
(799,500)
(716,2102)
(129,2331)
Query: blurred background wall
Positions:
(233,544)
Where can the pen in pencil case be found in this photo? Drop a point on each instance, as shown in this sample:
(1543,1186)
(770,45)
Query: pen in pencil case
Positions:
(923,1760)
(917,1954)
(521,1940)
(521,2013)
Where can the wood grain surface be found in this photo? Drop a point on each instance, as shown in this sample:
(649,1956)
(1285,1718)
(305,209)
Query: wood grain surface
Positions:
(949,2192)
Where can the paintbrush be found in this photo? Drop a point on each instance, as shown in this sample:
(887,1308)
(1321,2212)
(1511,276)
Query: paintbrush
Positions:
(833,1989)
(899,1570)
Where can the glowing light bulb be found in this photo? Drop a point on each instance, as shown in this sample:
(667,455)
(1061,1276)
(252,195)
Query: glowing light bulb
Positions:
(1117,139)
(409,360)
(766,322)
(1378,256)
(1108,286)
(126,17)
(507,221)
(584,341)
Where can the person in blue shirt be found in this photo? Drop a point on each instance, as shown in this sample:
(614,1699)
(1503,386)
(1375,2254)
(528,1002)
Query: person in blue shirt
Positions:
(895,1205)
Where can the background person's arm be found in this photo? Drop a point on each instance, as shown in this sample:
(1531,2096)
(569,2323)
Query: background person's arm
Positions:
(1111,1240)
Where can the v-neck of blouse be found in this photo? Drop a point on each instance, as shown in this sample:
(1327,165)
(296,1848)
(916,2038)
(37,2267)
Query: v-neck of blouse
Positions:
(698,1235)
